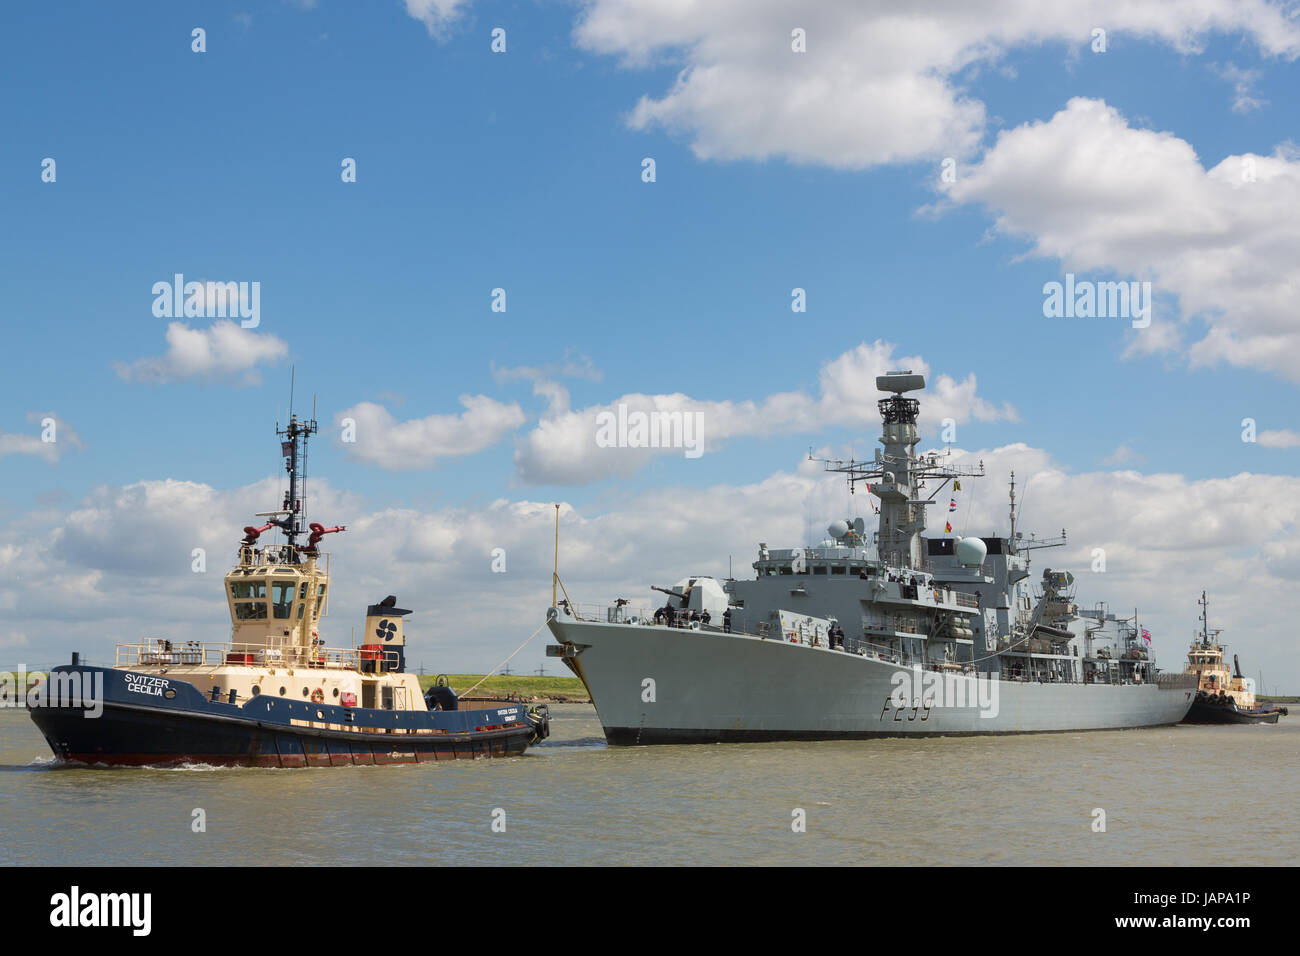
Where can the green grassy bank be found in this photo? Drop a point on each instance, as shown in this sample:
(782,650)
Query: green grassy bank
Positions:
(521,685)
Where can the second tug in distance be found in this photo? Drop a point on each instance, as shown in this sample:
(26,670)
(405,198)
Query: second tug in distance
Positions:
(274,695)
(906,636)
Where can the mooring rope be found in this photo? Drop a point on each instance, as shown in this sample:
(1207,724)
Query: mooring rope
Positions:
(506,661)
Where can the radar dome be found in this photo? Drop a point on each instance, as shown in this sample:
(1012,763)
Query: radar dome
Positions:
(838,529)
(971,552)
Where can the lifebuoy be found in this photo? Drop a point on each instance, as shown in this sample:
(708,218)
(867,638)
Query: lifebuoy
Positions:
(317,696)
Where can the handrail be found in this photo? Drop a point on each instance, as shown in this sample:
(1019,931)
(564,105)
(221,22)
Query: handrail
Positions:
(216,654)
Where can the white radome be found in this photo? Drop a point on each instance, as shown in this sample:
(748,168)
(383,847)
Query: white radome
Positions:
(971,552)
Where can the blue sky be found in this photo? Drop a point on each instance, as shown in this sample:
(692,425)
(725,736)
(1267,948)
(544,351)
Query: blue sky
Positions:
(522,171)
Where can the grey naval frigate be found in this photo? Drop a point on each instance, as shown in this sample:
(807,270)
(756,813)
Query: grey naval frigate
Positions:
(900,634)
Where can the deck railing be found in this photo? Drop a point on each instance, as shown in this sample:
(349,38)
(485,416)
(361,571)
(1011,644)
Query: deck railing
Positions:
(215,654)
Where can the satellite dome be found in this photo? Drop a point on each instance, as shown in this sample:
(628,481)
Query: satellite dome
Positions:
(971,552)
(838,529)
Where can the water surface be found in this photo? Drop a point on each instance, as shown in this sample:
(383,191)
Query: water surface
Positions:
(1172,796)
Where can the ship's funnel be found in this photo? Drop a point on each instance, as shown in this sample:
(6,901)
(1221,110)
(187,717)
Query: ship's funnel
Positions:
(384,647)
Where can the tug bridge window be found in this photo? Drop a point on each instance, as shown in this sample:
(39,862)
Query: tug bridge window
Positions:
(250,600)
(282,598)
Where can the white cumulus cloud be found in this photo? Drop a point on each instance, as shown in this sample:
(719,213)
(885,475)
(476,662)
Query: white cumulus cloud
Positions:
(879,82)
(224,351)
(563,449)
(419,442)
(1279,438)
(51,437)
(1092,191)
(436,15)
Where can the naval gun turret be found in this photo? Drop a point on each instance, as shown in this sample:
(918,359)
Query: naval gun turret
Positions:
(701,594)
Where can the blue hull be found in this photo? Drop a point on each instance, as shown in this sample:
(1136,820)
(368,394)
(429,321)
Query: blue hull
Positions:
(135,728)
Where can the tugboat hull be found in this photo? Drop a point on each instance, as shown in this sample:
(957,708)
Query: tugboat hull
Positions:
(188,728)
(1206,710)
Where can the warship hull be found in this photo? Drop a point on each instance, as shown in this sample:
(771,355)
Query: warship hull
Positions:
(666,685)
(126,727)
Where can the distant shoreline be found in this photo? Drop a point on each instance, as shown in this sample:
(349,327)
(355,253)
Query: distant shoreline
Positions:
(525,687)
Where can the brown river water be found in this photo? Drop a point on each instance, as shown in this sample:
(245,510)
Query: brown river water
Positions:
(572,800)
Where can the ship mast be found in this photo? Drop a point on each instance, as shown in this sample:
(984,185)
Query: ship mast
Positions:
(897,476)
(293,448)
(1012,535)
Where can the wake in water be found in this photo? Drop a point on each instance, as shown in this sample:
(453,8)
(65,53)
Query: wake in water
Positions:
(582,742)
(37,763)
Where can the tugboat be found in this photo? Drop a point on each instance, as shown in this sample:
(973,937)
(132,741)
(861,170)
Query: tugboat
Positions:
(1222,697)
(274,695)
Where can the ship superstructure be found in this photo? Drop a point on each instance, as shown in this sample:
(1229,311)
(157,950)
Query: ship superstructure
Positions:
(899,634)
(275,693)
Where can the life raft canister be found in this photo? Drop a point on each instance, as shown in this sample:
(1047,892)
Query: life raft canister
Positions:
(317,696)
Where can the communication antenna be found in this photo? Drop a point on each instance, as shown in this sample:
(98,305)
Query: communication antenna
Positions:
(1013,508)
(294,451)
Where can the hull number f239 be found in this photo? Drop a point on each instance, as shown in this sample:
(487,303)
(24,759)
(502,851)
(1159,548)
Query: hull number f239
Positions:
(911,712)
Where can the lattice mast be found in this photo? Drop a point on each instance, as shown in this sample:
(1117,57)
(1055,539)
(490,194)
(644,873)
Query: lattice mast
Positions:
(897,476)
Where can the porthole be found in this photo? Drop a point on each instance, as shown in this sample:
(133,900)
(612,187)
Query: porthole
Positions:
(320,715)
(169,693)
(283,691)
(336,691)
(305,692)
(256,690)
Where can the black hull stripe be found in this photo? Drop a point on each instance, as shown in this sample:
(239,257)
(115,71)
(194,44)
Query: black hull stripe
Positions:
(647,736)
